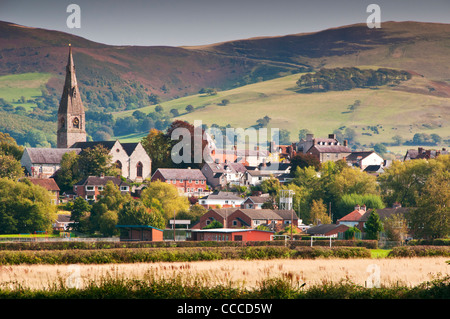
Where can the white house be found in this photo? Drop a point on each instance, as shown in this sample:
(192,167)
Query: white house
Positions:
(364,159)
(221,199)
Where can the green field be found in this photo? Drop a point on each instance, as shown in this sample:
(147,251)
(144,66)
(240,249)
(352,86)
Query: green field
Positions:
(28,85)
(403,110)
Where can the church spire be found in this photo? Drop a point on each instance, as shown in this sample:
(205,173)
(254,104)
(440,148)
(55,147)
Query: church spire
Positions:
(71,117)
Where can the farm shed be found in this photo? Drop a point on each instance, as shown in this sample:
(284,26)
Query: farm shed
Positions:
(140,233)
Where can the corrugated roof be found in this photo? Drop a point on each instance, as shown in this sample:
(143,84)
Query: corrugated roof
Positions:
(48,155)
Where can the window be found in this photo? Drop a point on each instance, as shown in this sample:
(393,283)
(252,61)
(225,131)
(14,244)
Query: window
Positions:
(196,181)
(124,188)
(100,188)
(139,168)
(76,123)
(235,223)
(118,165)
(200,189)
(89,188)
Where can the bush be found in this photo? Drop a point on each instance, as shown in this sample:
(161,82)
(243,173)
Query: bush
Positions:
(420,251)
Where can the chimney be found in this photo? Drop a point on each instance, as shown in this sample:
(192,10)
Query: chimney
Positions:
(420,150)
(345,142)
(363,207)
(333,136)
(357,207)
(309,137)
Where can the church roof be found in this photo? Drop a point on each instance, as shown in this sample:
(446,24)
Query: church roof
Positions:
(48,155)
(83,145)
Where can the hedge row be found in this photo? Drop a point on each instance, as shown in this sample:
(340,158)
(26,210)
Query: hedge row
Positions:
(420,251)
(131,255)
(66,245)
(276,288)
(428,242)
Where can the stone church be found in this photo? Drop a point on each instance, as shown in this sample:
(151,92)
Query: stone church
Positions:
(131,158)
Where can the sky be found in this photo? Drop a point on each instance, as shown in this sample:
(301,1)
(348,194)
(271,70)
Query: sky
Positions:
(197,22)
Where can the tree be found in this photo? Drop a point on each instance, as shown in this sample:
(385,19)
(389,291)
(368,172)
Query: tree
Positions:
(80,214)
(96,161)
(157,145)
(10,167)
(373,226)
(8,146)
(24,207)
(351,233)
(167,195)
(214,224)
(347,203)
(110,202)
(431,218)
(318,213)
(302,133)
(304,160)
(395,227)
(68,174)
(189,108)
(380,148)
(134,212)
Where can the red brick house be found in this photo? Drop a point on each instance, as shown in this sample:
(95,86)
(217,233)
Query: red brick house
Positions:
(91,187)
(189,182)
(227,234)
(219,214)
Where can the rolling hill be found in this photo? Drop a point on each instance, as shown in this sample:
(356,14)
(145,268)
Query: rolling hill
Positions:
(256,75)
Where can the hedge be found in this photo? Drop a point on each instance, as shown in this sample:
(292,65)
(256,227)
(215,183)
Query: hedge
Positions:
(67,245)
(131,255)
(420,251)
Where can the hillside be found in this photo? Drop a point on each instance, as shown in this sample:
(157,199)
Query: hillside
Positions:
(256,75)
(382,113)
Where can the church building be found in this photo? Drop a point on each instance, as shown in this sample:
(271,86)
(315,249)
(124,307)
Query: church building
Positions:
(131,158)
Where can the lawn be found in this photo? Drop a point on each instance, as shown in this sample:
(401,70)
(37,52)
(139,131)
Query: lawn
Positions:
(379,253)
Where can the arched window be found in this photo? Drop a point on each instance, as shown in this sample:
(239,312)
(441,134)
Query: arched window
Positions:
(118,165)
(139,168)
(76,123)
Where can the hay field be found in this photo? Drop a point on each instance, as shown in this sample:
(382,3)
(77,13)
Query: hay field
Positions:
(243,273)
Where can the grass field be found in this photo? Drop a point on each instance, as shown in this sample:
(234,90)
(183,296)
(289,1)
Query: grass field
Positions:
(28,85)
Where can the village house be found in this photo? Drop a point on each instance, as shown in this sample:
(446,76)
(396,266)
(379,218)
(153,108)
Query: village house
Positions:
(218,214)
(353,219)
(256,202)
(384,213)
(275,220)
(422,153)
(220,175)
(189,182)
(43,162)
(364,159)
(91,187)
(220,199)
(325,149)
(62,223)
(50,185)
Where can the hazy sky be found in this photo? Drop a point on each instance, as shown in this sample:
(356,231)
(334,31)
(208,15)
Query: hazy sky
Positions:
(194,22)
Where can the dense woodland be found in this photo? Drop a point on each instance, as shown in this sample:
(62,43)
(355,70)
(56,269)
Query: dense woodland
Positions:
(341,79)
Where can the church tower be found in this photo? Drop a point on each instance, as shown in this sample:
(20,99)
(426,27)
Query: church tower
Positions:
(71,118)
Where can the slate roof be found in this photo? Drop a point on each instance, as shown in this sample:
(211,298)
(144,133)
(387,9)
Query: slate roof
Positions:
(322,229)
(83,145)
(269,214)
(354,156)
(181,173)
(331,148)
(222,167)
(48,155)
(386,213)
(222,195)
(258,199)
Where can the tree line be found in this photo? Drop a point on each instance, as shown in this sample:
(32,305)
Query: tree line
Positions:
(341,79)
